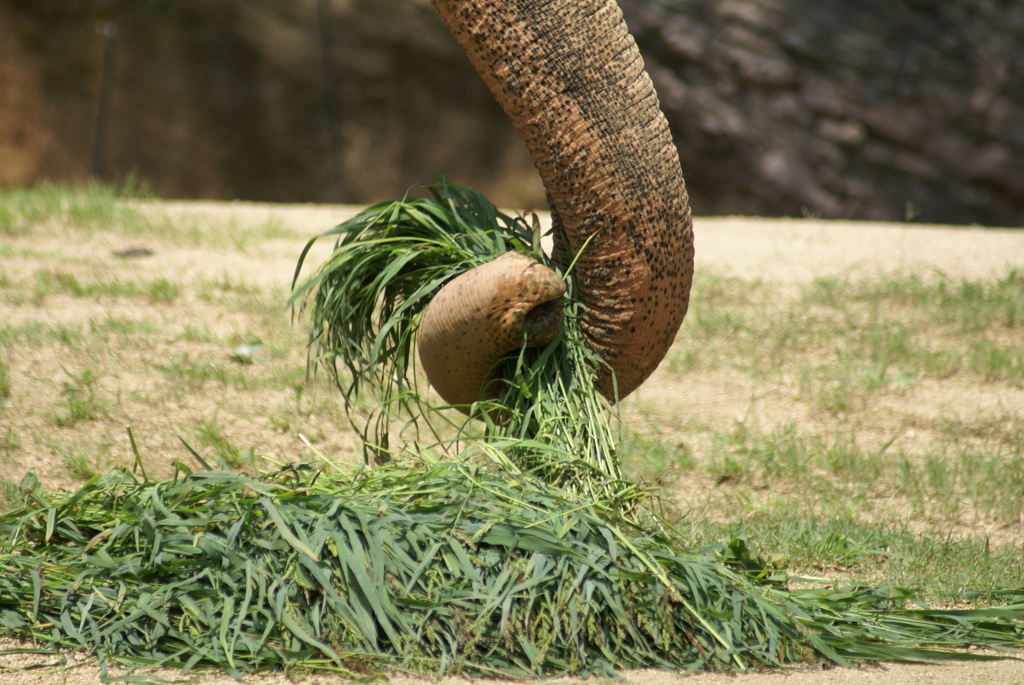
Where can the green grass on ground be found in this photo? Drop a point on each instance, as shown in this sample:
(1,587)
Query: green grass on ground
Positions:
(874,430)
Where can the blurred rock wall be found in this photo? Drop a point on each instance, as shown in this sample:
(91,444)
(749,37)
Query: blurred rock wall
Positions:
(298,101)
(876,109)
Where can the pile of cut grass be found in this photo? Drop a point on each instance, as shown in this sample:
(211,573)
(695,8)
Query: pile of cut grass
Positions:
(433,567)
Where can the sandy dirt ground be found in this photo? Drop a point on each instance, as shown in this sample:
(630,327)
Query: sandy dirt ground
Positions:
(785,252)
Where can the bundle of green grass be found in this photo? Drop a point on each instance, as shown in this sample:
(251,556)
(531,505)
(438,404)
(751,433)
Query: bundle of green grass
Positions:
(515,548)
(366,303)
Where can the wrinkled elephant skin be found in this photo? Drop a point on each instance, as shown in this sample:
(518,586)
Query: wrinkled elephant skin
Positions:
(571,79)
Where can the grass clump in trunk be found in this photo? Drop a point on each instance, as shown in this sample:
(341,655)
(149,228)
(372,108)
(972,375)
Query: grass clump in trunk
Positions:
(366,303)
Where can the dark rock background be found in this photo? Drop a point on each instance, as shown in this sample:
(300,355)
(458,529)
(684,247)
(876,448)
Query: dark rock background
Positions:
(875,109)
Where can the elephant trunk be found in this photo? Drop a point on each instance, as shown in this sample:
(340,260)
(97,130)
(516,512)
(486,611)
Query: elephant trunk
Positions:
(571,79)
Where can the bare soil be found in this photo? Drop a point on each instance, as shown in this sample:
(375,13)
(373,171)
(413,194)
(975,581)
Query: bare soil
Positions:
(787,253)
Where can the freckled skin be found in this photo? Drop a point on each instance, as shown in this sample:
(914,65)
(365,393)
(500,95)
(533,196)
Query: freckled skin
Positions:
(570,77)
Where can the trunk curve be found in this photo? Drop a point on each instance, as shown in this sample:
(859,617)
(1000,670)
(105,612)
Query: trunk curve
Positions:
(479,317)
(571,79)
